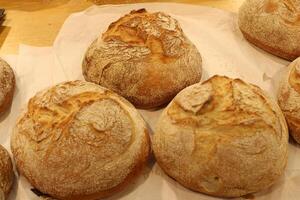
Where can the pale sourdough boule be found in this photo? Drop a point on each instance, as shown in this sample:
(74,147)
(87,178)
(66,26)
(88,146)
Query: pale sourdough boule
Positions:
(6,173)
(78,140)
(289,98)
(223,137)
(145,57)
(7,86)
(273,25)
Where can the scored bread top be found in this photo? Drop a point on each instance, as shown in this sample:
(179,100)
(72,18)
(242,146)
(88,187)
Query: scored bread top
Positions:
(144,57)
(289,90)
(223,137)
(78,139)
(294,76)
(158,32)
(272,24)
(289,97)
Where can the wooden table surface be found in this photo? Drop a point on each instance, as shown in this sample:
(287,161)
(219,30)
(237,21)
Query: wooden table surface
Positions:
(37,22)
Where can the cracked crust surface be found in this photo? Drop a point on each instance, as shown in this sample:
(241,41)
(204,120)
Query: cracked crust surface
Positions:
(289,98)
(145,57)
(6,173)
(223,137)
(7,86)
(273,25)
(78,140)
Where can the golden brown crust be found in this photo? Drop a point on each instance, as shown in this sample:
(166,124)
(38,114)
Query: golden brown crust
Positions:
(135,172)
(143,158)
(223,137)
(273,25)
(6,172)
(289,98)
(78,140)
(7,86)
(145,57)
(275,51)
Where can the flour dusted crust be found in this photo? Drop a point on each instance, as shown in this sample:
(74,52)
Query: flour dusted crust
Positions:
(223,137)
(145,57)
(273,25)
(289,98)
(78,140)
(6,173)
(7,85)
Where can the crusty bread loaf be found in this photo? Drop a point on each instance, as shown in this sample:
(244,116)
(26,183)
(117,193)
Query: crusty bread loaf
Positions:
(6,173)
(78,140)
(273,25)
(7,86)
(145,57)
(223,137)
(289,98)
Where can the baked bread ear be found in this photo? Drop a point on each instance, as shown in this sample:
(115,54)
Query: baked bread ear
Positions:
(273,25)
(223,137)
(78,140)
(6,173)
(289,98)
(145,57)
(7,86)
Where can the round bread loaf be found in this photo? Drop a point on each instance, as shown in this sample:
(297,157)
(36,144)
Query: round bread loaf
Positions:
(145,57)
(6,173)
(273,25)
(7,86)
(289,98)
(78,140)
(223,137)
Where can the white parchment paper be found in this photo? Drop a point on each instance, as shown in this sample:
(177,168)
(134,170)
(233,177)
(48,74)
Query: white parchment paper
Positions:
(223,49)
